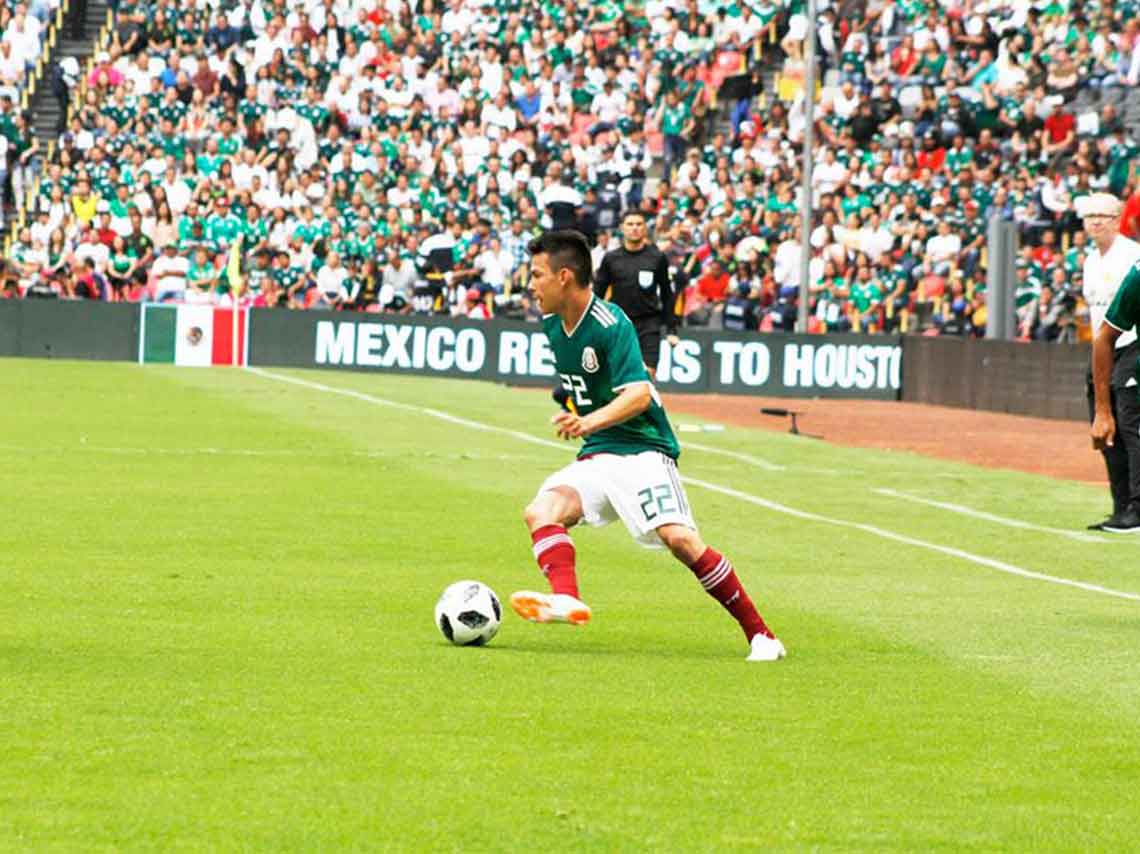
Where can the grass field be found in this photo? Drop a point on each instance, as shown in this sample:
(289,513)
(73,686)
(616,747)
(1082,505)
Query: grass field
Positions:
(216,595)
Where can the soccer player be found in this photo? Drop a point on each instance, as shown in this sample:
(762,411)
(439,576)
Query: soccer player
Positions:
(1108,264)
(1112,422)
(627,465)
(638,273)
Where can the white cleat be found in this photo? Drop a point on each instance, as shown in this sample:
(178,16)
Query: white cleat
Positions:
(550,608)
(765,648)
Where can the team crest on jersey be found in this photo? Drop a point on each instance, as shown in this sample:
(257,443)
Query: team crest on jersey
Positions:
(590,360)
(645,278)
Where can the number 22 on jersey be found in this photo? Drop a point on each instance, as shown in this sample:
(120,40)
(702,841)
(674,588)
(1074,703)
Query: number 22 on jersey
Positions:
(576,385)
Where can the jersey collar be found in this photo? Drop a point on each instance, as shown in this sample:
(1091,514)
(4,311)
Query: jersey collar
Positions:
(570,333)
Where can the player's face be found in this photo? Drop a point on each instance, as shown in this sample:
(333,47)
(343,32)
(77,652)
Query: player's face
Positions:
(633,230)
(546,286)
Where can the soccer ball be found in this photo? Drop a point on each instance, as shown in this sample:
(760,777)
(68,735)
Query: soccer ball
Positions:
(468,613)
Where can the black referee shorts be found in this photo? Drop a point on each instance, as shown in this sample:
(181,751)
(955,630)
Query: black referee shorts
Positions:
(1123,459)
(649,337)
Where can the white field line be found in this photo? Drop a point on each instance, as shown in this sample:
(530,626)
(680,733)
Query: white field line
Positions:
(1079,536)
(759,462)
(990,563)
(113,450)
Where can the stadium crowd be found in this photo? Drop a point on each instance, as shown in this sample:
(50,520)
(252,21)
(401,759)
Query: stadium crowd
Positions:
(387,155)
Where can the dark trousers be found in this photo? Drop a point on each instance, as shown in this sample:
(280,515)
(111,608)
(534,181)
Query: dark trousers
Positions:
(63,101)
(77,19)
(649,338)
(1123,458)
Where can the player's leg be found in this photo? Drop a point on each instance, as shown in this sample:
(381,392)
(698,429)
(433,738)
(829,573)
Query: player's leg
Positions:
(1116,462)
(1127,448)
(715,573)
(548,517)
(649,339)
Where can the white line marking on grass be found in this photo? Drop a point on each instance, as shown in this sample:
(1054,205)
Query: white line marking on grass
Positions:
(759,462)
(990,563)
(407,407)
(1000,566)
(1079,536)
(308,453)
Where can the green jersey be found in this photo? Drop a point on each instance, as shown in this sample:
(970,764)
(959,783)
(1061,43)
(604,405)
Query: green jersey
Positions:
(595,361)
(1124,313)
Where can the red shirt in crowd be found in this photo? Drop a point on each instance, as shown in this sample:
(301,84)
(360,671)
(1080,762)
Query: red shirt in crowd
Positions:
(904,61)
(1044,255)
(932,158)
(713,287)
(1059,125)
(1130,219)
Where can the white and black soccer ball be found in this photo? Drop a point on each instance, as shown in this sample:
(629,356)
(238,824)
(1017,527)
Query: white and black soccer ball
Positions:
(468,613)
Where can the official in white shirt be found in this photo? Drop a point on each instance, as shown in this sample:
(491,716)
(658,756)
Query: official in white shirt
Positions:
(1110,257)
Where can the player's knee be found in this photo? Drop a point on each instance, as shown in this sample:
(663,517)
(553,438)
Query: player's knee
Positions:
(535,515)
(685,543)
(545,509)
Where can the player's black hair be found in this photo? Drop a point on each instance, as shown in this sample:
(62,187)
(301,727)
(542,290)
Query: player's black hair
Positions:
(628,212)
(566,248)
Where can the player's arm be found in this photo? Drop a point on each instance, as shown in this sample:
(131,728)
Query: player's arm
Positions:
(1122,314)
(665,290)
(603,278)
(1104,425)
(631,401)
(630,382)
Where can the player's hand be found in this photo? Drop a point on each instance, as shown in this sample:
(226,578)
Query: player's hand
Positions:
(1102,431)
(568,425)
(673,340)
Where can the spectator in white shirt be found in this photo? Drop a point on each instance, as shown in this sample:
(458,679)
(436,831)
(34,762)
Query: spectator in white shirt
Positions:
(942,250)
(608,105)
(846,100)
(330,282)
(177,191)
(786,269)
(494,265)
(25,39)
(12,69)
(498,116)
(695,172)
(170,271)
(827,176)
(443,101)
(401,195)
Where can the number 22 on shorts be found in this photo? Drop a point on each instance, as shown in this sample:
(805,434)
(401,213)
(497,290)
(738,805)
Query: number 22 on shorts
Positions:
(660,495)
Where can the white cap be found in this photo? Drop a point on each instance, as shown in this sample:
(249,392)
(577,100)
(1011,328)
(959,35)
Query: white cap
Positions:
(102,57)
(1098,204)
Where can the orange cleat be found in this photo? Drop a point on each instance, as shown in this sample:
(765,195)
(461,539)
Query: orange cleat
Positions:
(550,608)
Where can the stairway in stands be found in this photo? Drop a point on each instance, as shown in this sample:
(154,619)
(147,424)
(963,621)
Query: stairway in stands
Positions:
(44,108)
(1125,99)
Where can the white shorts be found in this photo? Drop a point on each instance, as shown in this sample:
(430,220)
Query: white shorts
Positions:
(643,490)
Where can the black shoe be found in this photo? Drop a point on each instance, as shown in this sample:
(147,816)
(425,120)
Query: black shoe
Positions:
(1127,522)
(1099,526)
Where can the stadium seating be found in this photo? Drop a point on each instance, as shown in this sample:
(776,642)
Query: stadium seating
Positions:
(387,134)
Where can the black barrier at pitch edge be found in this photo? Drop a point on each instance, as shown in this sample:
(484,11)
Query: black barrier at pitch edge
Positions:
(1038,379)
(851,366)
(80,329)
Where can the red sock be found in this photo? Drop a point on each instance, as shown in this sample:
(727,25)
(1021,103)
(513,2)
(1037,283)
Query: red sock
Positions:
(717,576)
(554,551)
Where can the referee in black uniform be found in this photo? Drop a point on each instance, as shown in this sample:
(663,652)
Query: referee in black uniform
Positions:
(638,274)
